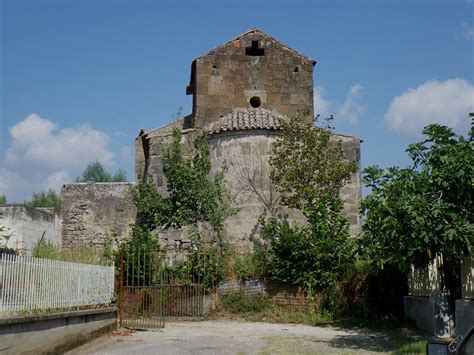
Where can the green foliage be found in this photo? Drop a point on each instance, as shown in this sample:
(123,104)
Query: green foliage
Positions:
(307,165)
(250,264)
(412,214)
(96,172)
(309,169)
(194,194)
(3,199)
(207,263)
(314,256)
(239,302)
(45,199)
(412,347)
(85,254)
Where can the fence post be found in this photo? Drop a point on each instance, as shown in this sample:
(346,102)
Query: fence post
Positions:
(121,288)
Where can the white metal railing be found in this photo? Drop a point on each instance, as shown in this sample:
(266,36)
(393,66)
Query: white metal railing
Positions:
(28,283)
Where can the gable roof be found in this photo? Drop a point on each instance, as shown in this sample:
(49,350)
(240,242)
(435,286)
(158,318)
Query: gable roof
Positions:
(252,31)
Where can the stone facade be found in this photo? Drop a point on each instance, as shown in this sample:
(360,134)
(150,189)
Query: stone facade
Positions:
(252,70)
(242,90)
(24,227)
(93,211)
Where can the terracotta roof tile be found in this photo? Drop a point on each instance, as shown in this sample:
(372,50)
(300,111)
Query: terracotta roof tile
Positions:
(243,119)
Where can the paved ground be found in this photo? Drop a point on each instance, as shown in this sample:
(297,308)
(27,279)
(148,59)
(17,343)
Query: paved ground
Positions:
(232,337)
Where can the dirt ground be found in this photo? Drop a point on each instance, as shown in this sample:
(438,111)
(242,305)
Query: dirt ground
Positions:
(235,337)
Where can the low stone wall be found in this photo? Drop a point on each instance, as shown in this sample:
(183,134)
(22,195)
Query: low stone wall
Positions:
(93,211)
(281,295)
(430,314)
(54,333)
(25,226)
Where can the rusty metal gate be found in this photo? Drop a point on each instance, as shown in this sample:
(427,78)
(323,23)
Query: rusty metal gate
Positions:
(154,289)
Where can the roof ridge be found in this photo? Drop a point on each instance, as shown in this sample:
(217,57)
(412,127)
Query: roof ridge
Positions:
(253,30)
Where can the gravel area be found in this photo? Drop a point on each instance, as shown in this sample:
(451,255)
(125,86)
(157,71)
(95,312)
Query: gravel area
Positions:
(235,337)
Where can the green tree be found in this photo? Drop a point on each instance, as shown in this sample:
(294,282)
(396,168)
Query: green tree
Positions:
(307,164)
(3,199)
(426,209)
(96,172)
(309,169)
(313,257)
(45,199)
(194,193)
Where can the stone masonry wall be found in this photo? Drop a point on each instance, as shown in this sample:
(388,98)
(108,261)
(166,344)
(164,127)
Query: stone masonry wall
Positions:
(91,211)
(246,153)
(229,77)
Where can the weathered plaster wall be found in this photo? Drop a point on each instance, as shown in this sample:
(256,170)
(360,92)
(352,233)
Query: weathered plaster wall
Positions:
(25,226)
(91,211)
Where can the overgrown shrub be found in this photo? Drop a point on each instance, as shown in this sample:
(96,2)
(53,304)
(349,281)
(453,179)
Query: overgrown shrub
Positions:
(314,256)
(84,254)
(250,264)
(239,302)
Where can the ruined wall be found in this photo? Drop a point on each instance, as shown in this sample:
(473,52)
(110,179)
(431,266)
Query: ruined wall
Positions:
(25,226)
(91,211)
(231,75)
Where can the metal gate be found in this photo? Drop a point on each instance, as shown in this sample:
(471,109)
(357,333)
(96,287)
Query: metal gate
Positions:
(154,289)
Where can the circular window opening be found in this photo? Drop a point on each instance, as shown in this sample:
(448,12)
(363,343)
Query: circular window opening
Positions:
(255,101)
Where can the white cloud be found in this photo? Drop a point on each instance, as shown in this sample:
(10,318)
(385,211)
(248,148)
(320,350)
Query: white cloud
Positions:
(467,31)
(447,102)
(41,156)
(127,153)
(321,105)
(350,109)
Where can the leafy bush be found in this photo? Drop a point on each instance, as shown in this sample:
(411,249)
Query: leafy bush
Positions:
(238,302)
(194,193)
(309,169)
(45,199)
(313,256)
(84,254)
(250,264)
(426,209)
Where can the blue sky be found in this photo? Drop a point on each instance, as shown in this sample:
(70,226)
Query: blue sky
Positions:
(79,79)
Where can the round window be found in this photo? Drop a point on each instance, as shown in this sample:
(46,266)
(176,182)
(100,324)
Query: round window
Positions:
(255,101)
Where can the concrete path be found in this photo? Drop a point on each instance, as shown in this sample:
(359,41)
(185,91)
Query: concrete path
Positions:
(233,337)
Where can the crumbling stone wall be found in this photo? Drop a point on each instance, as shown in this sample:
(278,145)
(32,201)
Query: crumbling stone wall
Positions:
(93,211)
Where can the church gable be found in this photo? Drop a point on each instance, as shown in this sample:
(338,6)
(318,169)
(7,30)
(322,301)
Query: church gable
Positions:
(253,70)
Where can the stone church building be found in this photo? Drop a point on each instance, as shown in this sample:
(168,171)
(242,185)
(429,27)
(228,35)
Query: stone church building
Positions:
(242,91)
